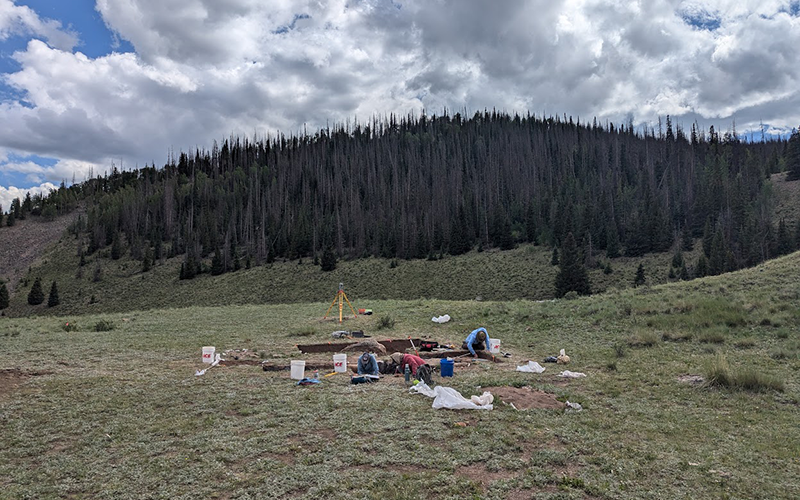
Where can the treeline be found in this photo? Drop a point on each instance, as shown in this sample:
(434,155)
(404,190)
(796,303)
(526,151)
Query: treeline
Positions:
(419,187)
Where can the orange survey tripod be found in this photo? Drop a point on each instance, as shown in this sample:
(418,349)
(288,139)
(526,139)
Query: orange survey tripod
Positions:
(341,297)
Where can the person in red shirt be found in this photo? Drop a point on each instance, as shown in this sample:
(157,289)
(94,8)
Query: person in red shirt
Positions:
(419,368)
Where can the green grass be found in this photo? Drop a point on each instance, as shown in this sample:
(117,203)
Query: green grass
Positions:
(120,413)
(720,374)
(522,273)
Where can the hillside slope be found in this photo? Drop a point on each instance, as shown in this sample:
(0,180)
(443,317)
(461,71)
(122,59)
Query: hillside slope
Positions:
(24,243)
(522,273)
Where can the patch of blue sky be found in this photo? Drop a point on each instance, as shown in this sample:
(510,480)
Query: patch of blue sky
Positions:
(287,28)
(17,179)
(701,19)
(79,16)
(15,171)
(793,9)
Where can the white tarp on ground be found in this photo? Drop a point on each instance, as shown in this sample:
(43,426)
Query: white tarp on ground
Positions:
(441,319)
(447,397)
(569,374)
(531,367)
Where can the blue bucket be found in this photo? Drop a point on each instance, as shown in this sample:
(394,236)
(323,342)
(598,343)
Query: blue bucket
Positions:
(446,366)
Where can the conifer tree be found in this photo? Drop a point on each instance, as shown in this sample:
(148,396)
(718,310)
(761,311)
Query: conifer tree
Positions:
(116,247)
(36,295)
(11,219)
(677,259)
(793,157)
(719,254)
(147,259)
(785,244)
(639,279)
(4,299)
(702,267)
(190,268)
(572,274)
(554,258)
(1,215)
(328,259)
(52,299)
(612,241)
(708,237)
(683,274)
(687,242)
(217,267)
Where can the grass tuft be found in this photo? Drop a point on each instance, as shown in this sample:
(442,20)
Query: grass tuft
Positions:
(745,343)
(676,336)
(720,374)
(645,338)
(711,337)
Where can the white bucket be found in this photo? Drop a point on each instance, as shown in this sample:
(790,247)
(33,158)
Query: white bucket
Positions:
(208,354)
(494,346)
(340,363)
(298,370)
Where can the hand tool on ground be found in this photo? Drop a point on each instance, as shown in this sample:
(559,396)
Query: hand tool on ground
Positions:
(412,346)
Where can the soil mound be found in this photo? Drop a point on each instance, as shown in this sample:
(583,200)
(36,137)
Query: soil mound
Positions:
(525,398)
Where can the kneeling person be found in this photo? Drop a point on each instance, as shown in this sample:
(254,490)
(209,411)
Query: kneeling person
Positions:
(477,339)
(367,364)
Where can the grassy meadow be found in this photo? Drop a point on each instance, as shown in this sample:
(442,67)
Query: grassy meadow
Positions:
(120,414)
(119,285)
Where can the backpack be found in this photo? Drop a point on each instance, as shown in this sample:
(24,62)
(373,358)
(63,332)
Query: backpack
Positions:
(424,374)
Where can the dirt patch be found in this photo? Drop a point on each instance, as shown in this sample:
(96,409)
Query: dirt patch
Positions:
(26,241)
(691,379)
(479,474)
(525,398)
(12,379)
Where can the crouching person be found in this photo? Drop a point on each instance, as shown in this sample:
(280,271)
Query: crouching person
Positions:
(478,339)
(367,364)
(419,368)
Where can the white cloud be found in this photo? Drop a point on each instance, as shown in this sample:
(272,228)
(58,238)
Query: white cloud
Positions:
(19,20)
(204,69)
(8,194)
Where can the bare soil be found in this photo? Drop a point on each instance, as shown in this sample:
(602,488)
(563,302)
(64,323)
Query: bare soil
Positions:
(12,379)
(525,398)
(24,243)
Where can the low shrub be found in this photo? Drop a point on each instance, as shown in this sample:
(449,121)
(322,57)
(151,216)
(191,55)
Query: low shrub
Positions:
(385,323)
(103,326)
(69,327)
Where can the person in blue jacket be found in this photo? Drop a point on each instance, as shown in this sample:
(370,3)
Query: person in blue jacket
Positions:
(367,364)
(477,339)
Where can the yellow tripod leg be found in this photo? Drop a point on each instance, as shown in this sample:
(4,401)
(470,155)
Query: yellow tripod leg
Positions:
(349,304)
(331,307)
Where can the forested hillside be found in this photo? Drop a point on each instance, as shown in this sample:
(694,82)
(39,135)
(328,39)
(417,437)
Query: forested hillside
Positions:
(419,187)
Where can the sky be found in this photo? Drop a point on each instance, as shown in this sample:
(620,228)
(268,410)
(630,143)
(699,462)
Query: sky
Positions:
(85,85)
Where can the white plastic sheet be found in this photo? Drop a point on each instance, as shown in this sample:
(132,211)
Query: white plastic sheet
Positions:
(199,373)
(569,374)
(451,399)
(441,319)
(531,367)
